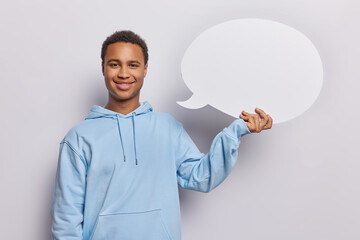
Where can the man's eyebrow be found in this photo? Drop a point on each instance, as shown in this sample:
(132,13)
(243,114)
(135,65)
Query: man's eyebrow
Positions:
(113,60)
(116,60)
(135,61)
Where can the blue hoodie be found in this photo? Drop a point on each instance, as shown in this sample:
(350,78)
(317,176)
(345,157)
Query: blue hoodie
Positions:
(118,175)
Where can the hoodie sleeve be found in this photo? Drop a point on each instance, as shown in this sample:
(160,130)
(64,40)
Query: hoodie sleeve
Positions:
(68,194)
(203,172)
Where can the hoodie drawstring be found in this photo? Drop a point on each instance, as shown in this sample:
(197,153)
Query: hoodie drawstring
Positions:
(121,140)
(133,120)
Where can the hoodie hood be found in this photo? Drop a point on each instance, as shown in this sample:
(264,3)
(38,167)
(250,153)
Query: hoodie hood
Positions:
(97,111)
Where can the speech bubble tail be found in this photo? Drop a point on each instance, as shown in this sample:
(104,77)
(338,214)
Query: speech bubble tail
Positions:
(192,103)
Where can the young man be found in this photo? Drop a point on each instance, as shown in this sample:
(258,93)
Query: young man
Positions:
(119,169)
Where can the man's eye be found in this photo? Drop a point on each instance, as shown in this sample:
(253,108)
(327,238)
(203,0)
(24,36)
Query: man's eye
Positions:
(133,65)
(114,64)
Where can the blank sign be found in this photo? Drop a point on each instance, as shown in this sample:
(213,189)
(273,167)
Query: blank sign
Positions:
(247,63)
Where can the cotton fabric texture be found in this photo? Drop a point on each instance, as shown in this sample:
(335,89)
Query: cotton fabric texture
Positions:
(118,175)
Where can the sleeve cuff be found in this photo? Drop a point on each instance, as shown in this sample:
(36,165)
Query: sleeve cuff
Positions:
(237,129)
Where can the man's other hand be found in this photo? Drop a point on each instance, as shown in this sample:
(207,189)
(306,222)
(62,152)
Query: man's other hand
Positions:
(257,122)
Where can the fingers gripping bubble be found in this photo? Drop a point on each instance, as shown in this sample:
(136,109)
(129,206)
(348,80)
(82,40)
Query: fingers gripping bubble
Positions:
(248,63)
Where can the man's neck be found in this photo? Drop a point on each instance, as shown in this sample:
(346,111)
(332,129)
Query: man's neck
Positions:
(122,107)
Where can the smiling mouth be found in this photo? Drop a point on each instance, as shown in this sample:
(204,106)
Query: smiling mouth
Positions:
(124,85)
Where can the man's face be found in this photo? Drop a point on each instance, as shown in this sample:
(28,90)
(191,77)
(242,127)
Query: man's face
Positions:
(124,71)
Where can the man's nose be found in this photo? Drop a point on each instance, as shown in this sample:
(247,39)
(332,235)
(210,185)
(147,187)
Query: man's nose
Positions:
(123,72)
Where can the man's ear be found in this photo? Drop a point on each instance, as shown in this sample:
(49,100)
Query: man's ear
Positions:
(145,69)
(102,68)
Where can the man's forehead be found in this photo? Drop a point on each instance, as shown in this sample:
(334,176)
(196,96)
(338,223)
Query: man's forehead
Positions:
(124,49)
(124,46)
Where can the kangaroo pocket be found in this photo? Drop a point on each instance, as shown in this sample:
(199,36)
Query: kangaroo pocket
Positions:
(131,226)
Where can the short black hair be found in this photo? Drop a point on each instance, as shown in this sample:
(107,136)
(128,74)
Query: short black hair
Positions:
(128,37)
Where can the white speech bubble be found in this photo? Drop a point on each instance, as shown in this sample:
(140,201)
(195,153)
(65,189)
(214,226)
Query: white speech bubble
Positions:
(246,63)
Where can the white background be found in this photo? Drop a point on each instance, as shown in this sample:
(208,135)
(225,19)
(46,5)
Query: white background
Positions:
(300,180)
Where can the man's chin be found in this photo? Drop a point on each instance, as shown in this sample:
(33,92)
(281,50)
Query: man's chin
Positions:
(124,98)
